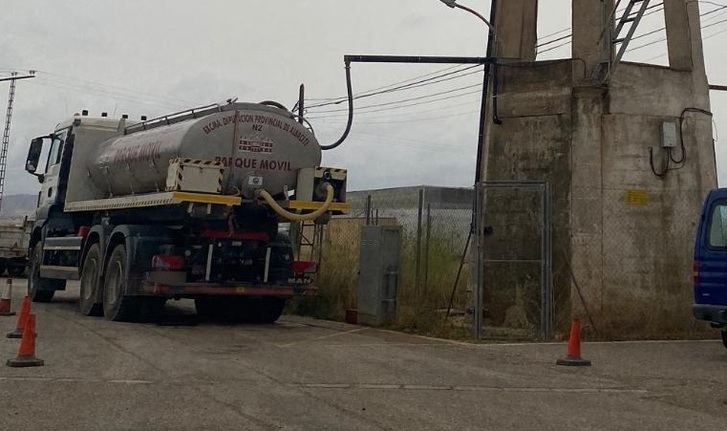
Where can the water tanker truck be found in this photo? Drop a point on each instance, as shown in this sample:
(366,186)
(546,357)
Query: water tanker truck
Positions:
(182,206)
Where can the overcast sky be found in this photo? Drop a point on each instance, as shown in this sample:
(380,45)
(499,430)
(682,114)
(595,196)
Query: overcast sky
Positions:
(154,57)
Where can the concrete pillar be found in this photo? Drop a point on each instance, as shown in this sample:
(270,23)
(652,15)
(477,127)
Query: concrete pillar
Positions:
(517,29)
(592,22)
(684,37)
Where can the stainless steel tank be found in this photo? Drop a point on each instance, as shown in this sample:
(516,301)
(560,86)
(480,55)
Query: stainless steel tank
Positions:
(260,146)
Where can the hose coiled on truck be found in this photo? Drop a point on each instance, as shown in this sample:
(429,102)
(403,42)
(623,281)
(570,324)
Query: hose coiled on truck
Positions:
(282,212)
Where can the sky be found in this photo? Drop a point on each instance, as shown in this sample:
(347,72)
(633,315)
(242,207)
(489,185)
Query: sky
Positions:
(154,57)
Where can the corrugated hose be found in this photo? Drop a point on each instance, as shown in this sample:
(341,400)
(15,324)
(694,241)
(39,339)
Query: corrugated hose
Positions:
(282,212)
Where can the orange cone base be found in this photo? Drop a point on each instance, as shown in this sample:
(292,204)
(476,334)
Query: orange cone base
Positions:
(573,362)
(24,362)
(15,334)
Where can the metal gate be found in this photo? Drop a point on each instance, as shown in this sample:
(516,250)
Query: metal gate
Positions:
(513,297)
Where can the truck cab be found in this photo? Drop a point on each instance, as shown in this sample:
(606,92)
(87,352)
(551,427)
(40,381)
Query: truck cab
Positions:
(710,263)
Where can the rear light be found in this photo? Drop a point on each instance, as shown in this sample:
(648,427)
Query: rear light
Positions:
(695,272)
(83,231)
(304,267)
(167,262)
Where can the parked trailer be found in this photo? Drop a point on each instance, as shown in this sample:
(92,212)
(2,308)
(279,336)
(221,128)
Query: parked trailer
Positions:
(14,235)
(183,206)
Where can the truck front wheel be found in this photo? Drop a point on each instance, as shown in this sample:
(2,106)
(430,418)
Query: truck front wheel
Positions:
(88,301)
(41,289)
(118,306)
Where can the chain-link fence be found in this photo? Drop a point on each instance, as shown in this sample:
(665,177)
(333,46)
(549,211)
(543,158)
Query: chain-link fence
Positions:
(435,222)
(436,293)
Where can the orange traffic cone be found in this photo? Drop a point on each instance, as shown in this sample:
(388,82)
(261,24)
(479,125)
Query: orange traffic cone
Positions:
(574,348)
(26,352)
(22,319)
(5,298)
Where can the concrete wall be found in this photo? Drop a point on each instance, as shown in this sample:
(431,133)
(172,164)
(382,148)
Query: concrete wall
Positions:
(532,143)
(626,234)
(622,236)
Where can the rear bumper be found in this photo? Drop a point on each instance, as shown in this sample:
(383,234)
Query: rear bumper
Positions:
(213,289)
(710,313)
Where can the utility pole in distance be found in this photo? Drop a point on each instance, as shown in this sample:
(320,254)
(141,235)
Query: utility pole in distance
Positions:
(6,133)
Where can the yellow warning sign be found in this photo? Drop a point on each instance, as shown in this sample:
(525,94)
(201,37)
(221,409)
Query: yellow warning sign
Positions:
(637,198)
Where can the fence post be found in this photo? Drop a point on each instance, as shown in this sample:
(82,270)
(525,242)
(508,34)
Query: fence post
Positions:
(420,209)
(478,221)
(368,210)
(549,296)
(426,247)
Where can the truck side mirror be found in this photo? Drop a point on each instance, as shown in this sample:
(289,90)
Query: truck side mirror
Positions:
(31,163)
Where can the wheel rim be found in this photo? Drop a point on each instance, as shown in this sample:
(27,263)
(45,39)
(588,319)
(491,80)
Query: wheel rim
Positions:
(88,279)
(114,282)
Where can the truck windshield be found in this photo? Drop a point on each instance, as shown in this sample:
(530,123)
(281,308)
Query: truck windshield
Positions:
(718,225)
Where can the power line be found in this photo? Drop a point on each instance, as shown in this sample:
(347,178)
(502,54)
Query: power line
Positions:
(406,105)
(421,83)
(663,38)
(116,96)
(416,119)
(569,28)
(109,87)
(721,7)
(411,99)
(414,78)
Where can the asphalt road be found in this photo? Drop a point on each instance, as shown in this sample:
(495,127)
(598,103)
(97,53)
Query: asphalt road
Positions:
(304,374)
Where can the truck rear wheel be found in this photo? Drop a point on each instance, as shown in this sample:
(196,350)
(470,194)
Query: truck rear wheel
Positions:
(239,309)
(262,310)
(210,308)
(724,338)
(3,264)
(41,289)
(118,306)
(89,303)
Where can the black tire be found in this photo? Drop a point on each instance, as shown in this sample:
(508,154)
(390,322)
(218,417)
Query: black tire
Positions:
(210,308)
(117,306)
(41,289)
(262,310)
(724,338)
(3,265)
(150,308)
(89,302)
(234,309)
(16,271)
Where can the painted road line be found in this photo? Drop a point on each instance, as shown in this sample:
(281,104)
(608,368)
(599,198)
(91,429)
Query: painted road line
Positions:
(76,380)
(470,388)
(322,337)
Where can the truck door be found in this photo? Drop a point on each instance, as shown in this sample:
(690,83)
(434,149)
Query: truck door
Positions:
(49,189)
(710,285)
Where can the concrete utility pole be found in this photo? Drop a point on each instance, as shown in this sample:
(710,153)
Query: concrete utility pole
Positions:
(6,133)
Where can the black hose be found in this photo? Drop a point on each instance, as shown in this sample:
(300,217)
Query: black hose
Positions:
(350,111)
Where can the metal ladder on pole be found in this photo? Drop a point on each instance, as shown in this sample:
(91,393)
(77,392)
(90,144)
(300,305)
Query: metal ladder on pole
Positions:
(6,138)
(626,27)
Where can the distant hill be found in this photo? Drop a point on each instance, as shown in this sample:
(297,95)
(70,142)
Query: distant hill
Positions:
(18,205)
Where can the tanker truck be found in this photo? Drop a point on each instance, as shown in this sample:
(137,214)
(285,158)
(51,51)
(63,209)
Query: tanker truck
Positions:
(187,205)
